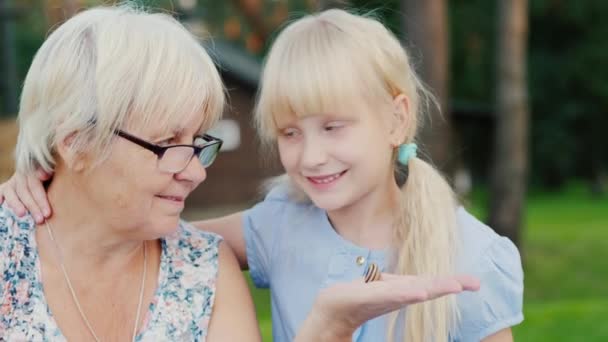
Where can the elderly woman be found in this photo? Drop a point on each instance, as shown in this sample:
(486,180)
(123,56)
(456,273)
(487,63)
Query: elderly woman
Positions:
(116,104)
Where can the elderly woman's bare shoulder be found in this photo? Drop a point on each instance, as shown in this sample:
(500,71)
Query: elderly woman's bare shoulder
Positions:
(233,303)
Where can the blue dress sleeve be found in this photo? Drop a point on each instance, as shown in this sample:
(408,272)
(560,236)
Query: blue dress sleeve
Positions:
(498,303)
(260,225)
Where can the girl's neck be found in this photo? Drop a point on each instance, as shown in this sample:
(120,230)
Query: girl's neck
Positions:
(369,220)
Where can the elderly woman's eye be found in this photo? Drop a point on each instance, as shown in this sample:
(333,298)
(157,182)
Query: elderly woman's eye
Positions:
(166,142)
(198,141)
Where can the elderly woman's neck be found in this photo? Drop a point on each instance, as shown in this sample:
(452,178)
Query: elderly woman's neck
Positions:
(82,229)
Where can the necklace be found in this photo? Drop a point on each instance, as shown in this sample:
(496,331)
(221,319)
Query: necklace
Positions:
(73,293)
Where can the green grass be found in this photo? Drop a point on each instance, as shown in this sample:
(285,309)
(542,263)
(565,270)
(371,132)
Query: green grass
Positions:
(565,248)
(261,299)
(566,267)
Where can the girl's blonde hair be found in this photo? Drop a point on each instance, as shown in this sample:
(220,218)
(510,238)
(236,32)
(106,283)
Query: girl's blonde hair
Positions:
(111,67)
(323,60)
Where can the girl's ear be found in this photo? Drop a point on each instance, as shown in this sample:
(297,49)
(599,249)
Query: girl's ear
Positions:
(400,119)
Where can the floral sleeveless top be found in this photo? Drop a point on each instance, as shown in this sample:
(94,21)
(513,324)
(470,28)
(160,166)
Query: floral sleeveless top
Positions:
(180,310)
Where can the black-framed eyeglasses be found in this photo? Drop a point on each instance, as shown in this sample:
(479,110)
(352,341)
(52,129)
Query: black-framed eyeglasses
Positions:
(175,158)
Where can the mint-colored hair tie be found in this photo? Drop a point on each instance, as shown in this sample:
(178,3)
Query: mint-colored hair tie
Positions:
(406,152)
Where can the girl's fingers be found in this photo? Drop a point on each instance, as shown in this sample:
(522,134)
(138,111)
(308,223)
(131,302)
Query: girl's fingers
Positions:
(12,200)
(38,193)
(390,276)
(439,287)
(25,196)
(469,283)
(421,288)
(43,175)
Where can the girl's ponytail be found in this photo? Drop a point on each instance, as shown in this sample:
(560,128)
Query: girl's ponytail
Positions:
(426,235)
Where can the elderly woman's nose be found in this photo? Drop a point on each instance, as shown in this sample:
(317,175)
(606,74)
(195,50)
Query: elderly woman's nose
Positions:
(194,172)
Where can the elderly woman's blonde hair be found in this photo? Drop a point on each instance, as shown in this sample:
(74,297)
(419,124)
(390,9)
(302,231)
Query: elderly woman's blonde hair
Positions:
(109,68)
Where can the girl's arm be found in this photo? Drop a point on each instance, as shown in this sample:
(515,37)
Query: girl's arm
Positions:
(505,335)
(233,317)
(231,229)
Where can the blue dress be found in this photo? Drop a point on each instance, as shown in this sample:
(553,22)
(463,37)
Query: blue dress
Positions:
(293,250)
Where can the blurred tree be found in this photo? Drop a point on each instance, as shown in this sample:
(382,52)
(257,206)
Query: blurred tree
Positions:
(252,11)
(326,4)
(569,91)
(568,70)
(58,11)
(8,83)
(509,172)
(567,76)
(425,26)
(247,24)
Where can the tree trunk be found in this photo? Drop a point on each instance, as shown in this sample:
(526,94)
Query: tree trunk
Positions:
(425,28)
(509,173)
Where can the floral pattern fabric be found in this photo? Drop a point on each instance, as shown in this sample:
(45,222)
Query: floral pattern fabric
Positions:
(180,310)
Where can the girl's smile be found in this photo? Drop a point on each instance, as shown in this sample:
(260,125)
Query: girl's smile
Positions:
(325,181)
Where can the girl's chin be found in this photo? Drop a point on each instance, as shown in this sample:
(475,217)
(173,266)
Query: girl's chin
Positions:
(327,204)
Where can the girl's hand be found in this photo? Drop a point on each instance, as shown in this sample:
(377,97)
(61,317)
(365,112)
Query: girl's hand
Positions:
(339,310)
(25,193)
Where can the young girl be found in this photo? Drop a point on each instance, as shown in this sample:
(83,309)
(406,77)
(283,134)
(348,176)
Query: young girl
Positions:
(342,104)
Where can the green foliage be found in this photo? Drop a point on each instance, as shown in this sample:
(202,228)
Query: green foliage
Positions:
(568,86)
(472,25)
(389,12)
(30,33)
(567,80)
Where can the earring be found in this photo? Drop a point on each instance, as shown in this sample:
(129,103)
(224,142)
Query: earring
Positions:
(407,152)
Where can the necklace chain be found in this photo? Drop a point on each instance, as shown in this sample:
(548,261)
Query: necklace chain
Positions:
(75,298)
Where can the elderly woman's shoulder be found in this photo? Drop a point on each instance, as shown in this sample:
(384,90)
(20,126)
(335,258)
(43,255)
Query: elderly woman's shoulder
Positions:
(193,245)
(189,231)
(13,226)
(15,237)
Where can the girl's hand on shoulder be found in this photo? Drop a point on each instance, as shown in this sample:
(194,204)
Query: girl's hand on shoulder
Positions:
(342,308)
(25,192)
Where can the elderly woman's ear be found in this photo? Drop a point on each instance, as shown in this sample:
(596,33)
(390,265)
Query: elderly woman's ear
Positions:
(71,155)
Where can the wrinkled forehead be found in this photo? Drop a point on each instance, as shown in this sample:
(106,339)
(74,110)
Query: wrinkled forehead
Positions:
(178,123)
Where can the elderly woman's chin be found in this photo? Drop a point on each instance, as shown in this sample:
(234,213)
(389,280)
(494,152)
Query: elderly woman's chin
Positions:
(166,213)
(161,226)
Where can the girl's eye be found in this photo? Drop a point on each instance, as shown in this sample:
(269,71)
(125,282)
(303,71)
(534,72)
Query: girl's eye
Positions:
(333,126)
(289,132)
